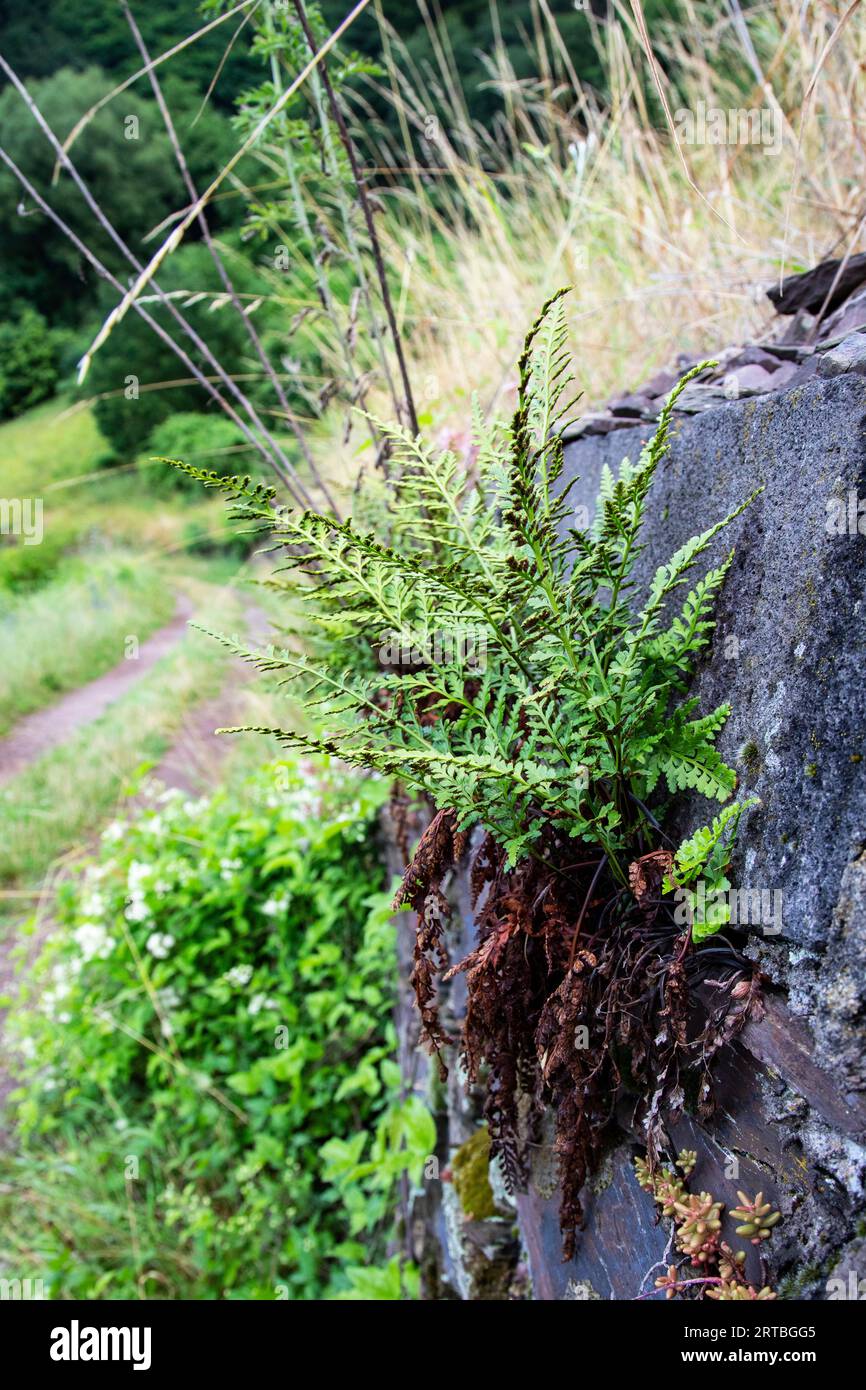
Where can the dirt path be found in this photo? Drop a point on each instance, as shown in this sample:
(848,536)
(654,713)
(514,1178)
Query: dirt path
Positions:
(43,730)
(192,764)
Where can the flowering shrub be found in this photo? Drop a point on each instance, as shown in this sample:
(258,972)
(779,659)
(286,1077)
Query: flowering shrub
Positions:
(209,1106)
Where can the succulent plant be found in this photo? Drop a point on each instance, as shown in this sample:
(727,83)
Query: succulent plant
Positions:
(697,1218)
(757,1217)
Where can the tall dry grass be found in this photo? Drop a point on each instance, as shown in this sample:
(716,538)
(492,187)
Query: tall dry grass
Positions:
(669,247)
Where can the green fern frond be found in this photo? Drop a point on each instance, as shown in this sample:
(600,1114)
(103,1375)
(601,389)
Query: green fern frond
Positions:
(571,717)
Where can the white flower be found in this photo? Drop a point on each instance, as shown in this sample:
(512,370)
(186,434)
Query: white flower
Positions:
(114,832)
(274,907)
(93,904)
(137,909)
(93,940)
(228,868)
(259,1002)
(239,975)
(121,1124)
(159,943)
(166,1028)
(168,997)
(136,875)
(64,971)
(53,996)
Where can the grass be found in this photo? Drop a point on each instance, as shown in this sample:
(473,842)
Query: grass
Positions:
(74,628)
(111,560)
(53,806)
(44,447)
(669,249)
(56,452)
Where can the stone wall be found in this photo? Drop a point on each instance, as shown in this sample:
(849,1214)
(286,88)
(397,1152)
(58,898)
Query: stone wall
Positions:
(789,655)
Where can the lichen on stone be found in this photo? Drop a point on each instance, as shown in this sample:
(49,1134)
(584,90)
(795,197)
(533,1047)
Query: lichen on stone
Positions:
(471,1169)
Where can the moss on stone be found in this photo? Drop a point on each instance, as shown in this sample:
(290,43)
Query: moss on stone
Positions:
(750,757)
(470,1167)
(797,1284)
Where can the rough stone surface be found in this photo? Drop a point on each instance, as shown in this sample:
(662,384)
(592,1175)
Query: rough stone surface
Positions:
(789,648)
(751,376)
(847,356)
(789,655)
(849,318)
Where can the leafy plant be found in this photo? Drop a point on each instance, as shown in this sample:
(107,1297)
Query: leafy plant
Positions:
(207,1030)
(705,856)
(191,434)
(571,717)
(28,363)
(552,710)
(717,1270)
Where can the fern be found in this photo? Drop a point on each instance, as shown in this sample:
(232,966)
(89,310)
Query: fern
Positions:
(705,856)
(575,714)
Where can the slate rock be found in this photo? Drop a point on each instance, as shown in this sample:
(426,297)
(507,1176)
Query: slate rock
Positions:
(848,319)
(629,407)
(788,654)
(785,372)
(596,424)
(789,650)
(847,356)
(806,370)
(800,329)
(750,378)
(659,385)
(793,352)
(754,356)
(809,290)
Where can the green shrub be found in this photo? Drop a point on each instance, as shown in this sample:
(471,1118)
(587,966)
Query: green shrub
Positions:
(206,439)
(210,1105)
(28,363)
(25,567)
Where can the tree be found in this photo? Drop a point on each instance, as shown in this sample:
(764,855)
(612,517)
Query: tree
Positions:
(125,158)
(133,359)
(28,363)
(39,39)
